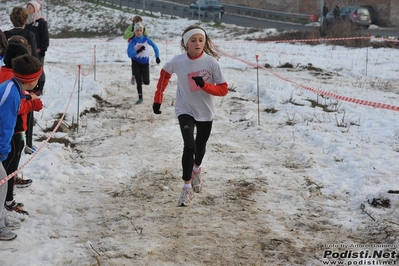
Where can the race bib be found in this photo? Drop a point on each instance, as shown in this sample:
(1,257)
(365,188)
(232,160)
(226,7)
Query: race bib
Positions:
(193,86)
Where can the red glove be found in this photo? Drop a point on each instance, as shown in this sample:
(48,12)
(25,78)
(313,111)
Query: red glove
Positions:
(37,104)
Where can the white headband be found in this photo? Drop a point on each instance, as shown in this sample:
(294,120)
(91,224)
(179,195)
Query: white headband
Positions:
(138,25)
(190,33)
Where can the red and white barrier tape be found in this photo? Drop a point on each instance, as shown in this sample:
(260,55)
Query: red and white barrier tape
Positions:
(320,92)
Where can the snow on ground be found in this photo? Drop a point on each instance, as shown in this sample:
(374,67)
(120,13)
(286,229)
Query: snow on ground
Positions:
(288,180)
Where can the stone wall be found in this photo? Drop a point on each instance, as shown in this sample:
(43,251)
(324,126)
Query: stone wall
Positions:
(394,12)
(387,10)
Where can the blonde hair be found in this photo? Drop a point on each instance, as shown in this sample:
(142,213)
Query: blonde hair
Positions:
(209,47)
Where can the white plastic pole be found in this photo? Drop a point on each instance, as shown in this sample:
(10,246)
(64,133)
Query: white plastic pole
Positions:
(77,117)
(257,84)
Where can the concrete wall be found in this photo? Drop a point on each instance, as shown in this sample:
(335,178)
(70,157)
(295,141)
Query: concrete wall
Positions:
(387,10)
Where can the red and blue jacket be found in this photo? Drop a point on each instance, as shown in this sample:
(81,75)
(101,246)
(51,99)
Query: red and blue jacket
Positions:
(10,98)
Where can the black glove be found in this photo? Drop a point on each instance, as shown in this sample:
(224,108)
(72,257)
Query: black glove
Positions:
(142,48)
(42,54)
(156,107)
(199,81)
(158,60)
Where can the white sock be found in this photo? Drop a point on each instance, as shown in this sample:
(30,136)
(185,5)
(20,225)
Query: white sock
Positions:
(187,186)
(195,169)
(8,203)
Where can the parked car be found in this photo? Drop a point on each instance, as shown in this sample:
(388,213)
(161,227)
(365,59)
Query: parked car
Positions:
(373,14)
(358,16)
(207,6)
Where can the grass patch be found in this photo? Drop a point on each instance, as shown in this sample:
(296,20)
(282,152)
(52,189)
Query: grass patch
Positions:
(380,203)
(271,110)
(286,65)
(310,67)
(64,141)
(328,108)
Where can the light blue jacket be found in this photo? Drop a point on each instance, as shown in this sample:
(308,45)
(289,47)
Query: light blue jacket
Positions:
(10,98)
(144,56)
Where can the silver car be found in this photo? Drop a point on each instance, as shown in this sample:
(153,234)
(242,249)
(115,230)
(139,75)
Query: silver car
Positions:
(358,16)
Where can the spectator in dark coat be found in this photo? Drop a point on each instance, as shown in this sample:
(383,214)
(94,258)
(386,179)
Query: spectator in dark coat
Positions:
(325,10)
(19,18)
(336,12)
(324,18)
(38,26)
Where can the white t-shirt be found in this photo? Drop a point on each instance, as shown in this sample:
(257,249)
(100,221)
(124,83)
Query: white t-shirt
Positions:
(190,98)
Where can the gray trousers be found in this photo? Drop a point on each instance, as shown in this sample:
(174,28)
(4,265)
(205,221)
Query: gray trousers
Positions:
(3,194)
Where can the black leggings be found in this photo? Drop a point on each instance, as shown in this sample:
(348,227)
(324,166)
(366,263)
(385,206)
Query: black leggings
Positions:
(142,74)
(132,67)
(194,149)
(30,120)
(11,163)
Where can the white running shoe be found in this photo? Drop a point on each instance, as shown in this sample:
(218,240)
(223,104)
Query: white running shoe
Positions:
(186,196)
(13,225)
(6,234)
(30,149)
(196,181)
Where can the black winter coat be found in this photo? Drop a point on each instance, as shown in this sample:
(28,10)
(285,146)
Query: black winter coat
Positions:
(27,34)
(325,10)
(40,29)
(336,11)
